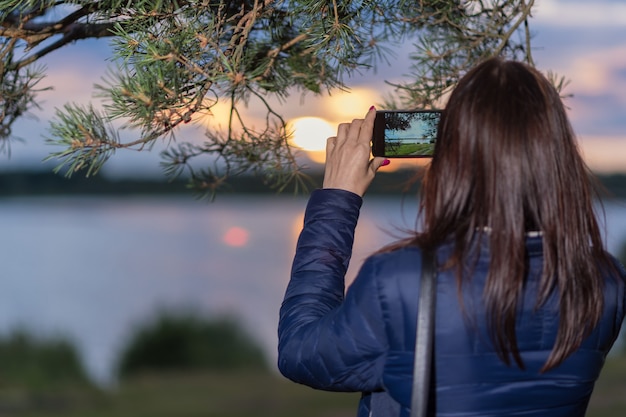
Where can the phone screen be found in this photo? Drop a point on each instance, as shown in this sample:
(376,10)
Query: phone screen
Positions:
(405,134)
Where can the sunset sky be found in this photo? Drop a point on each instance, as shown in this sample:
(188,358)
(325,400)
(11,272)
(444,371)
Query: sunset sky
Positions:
(582,40)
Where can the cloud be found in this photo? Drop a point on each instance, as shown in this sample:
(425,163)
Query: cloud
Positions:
(593,60)
(69,85)
(598,83)
(604,154)
(72,73)
(579,14)
(600,70)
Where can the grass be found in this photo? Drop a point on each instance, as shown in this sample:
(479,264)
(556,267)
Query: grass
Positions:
(238,394)
(608,398)
(408,149)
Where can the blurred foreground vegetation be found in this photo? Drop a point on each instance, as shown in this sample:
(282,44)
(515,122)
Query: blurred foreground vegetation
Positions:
(176,365)
(237,394)
(189,394)
(189,342)
(44,378)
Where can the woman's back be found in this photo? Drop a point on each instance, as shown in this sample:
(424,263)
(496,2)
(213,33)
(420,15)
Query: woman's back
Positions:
(470,378)
(366,341)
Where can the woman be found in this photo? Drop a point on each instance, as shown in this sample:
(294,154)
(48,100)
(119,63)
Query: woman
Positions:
(528,302)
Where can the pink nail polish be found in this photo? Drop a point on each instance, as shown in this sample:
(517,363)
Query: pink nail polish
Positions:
(385,163)
(372,108)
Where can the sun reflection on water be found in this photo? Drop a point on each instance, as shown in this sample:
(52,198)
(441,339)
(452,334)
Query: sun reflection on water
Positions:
(236,237)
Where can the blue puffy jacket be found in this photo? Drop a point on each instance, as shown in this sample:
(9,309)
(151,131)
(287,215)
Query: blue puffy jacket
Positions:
(365,342)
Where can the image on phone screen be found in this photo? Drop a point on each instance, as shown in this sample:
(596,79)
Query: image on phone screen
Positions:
(407,133)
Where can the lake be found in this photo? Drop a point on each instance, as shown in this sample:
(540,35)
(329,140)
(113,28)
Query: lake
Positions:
(93,268)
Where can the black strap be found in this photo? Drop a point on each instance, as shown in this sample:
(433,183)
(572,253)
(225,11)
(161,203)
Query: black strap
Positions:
(424,336)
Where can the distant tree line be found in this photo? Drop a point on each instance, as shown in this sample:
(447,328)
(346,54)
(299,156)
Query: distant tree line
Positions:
(48,183)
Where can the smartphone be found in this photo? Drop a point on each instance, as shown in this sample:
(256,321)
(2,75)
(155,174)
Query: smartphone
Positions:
(405,133)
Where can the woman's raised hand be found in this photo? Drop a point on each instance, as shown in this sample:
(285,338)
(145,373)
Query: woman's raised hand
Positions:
(348,163)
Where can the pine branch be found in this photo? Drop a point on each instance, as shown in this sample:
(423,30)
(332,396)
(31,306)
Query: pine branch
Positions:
(176,60)
(71,34)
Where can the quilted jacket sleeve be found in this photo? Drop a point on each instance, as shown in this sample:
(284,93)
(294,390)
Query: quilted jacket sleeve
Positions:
(326,341)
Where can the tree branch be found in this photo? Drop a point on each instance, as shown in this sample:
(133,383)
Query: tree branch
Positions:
(33,33)
(523,18)
(73,33)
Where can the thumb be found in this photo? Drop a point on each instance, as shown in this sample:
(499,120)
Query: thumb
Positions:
(378,162)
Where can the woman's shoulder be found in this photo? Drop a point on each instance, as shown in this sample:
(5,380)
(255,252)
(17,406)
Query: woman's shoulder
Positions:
(395,253)
(391,262)
(408,251)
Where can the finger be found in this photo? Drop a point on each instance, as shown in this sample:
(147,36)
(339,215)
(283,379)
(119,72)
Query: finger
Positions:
(342,131)
(378,162)
(367,127)
(371,115)
(355,130)
(330,146)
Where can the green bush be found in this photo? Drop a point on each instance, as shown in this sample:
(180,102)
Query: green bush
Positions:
(175,342)
(32,363)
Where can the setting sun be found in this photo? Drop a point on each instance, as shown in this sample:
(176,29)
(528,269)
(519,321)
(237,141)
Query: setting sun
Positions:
(310,134)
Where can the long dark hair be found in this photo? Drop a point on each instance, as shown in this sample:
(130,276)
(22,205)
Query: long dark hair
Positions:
(506,163)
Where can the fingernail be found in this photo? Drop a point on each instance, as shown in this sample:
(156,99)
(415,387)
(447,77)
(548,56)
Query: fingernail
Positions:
(372,108)
(385,163)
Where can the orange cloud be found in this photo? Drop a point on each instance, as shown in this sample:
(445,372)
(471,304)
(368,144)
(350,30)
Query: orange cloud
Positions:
(599,71)
(604,154)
